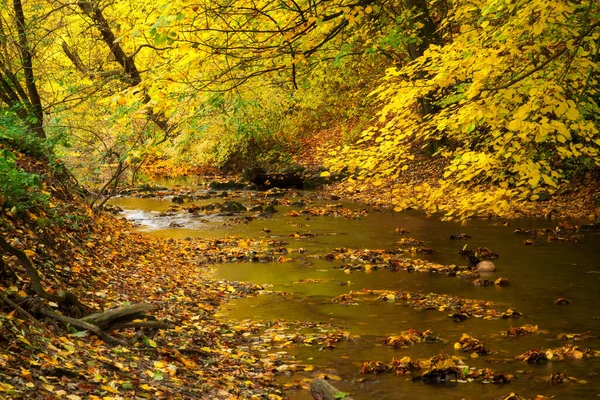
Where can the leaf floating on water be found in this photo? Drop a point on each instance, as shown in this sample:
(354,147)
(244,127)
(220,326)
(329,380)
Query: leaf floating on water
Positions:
(511,314)
(484,252)
(533,356)
(560,378)
(312,280)
(562,301)
(502,282)
(576,336)
(459,236)
(460,308)
(394,260)
(408,241)
(410,337)
(439,369)
(469,344)
(523,330)
(569,352)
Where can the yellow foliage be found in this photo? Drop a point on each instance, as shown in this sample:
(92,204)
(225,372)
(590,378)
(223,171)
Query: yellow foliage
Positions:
(511,106)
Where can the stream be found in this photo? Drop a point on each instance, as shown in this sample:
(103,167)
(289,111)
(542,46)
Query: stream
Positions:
(539,275)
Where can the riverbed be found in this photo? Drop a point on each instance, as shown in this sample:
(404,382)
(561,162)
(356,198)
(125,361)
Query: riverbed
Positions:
(566,268)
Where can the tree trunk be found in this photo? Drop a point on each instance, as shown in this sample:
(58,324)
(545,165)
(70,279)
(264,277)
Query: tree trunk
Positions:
(36,121)
(427,33)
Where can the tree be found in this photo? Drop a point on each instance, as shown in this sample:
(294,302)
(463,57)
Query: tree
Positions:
(515,87)
(18,87)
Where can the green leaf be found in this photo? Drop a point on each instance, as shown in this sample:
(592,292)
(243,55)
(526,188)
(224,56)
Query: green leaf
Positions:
(158,376)
(340,395)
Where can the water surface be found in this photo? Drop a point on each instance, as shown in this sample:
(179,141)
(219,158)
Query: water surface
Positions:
(538,274)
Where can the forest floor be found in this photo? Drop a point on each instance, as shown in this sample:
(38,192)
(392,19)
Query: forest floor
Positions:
(105,263)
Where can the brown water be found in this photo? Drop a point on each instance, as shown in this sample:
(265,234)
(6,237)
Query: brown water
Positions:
(539,275)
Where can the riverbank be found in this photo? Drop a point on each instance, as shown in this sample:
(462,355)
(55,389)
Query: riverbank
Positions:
(179,348)
(580,200)
(102,261)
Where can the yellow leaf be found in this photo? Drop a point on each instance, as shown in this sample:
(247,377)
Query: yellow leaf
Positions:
(325,174)
(110,389)
(5,387)
(538,29)
(24,340)
(29,253)
(572,114)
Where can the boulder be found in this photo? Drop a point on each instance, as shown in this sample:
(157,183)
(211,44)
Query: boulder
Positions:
(232,207)
(178,199)
(486,266)
(270,209)
(315,181)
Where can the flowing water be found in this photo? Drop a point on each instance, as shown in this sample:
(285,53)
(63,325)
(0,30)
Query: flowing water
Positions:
(539,275)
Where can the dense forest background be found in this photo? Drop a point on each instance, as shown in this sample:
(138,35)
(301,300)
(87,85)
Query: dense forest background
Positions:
(500,95)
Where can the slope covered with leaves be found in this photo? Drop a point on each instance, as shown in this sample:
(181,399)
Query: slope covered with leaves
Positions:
(105,264)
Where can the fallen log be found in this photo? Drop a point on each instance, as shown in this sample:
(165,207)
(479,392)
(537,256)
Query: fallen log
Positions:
(323,390)
(113,319)
(106,318)
(139,325)
(83,325)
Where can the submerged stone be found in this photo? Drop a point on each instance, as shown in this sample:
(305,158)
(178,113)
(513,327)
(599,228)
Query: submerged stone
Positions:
(486,266)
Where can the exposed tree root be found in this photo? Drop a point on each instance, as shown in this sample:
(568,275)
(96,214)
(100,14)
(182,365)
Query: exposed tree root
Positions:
(130,316)
(62,298)
(19,309)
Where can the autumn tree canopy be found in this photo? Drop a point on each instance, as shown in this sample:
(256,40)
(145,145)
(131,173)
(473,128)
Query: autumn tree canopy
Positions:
(502,93)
